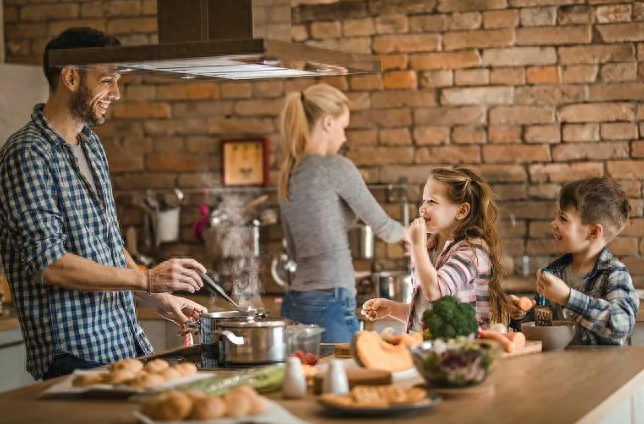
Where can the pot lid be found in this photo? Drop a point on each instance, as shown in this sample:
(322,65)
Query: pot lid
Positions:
(228,314)
(256,322)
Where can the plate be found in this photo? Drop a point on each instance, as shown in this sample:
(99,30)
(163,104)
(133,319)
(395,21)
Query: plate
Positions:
(66,388)
(431,401)
(274,414)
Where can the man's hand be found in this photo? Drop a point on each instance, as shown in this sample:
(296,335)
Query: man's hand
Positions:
(552,288)
(418,232)
(176,274)
(178,309)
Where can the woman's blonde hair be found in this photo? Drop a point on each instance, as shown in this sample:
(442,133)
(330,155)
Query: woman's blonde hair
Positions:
(301,111)
(464,186)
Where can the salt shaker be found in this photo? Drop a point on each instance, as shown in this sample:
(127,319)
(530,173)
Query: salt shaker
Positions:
(335,380)
(294,383)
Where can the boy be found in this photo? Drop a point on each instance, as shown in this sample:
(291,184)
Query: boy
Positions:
(587,284)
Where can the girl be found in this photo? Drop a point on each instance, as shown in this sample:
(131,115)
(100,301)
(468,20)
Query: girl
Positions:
(321,195)
(465,249)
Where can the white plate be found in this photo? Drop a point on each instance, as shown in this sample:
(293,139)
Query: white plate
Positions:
(66,388)
(275,414)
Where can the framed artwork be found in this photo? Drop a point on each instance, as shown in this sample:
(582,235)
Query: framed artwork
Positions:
(245,162)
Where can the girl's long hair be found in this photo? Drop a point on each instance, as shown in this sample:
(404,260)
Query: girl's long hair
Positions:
(464,186)
(301,111)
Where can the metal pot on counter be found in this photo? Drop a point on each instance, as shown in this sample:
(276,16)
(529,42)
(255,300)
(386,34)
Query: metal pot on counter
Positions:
(394,285)
(243,338)
(248,341)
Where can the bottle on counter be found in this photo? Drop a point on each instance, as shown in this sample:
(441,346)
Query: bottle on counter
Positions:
(294,383)
(335,380)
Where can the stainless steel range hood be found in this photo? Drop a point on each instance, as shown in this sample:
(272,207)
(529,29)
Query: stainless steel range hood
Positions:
(223,39)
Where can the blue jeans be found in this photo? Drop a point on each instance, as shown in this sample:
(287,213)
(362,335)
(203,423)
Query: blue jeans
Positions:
(333,310)
(65,363)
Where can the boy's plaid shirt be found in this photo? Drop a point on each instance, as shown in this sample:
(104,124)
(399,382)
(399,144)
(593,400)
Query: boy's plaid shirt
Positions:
(605,306)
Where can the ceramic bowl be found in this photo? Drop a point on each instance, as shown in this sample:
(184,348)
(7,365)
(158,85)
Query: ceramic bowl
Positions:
(555,337)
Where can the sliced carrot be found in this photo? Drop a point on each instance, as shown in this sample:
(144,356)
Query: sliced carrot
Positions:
(525,304)
(508,346)
(517,339)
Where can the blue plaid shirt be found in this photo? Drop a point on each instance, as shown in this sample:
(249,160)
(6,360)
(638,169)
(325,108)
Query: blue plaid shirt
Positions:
(47,208)
(606,304)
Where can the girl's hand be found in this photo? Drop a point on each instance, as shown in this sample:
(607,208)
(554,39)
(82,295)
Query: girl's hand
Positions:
(418,232)
(516,313)
(375,309)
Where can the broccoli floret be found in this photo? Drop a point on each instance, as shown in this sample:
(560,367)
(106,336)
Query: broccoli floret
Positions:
(449,318)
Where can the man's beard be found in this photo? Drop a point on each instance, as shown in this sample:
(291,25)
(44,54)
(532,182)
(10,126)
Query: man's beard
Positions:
(81,107)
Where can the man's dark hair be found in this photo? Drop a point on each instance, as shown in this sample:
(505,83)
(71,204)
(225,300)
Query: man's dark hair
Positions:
(74,38)
(598,200)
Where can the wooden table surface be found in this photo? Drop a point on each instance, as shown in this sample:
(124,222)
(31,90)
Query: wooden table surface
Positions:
(579,385)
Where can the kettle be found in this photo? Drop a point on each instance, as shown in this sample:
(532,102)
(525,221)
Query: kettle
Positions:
(361,241)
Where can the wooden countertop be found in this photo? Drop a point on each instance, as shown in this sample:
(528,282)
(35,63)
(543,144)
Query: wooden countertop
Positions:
(579,385)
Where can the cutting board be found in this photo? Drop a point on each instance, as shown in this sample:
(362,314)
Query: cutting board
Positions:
(531,347)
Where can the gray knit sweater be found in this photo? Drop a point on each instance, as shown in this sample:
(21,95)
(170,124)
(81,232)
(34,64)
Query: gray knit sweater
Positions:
(326,196)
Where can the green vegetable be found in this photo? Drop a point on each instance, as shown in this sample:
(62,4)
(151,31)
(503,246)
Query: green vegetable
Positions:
(448,318)
(264,380)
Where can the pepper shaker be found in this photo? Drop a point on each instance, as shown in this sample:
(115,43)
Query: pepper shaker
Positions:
(335,380)
(294,383)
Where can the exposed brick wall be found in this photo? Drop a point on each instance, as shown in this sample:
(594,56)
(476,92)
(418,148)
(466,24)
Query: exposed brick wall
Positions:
(530,93)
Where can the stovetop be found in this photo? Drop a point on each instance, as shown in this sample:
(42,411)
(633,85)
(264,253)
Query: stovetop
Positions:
(205,358)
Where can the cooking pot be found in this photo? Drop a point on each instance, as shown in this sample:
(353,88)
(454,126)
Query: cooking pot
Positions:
(252,340)
(209,323)
(394,285)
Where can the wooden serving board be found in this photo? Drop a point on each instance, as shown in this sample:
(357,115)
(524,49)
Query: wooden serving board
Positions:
(357,376)
(483,390)
(531,347)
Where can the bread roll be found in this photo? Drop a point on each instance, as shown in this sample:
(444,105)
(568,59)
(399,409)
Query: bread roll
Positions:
(156,366)
(209,408)
(133,365)
(84,380)
(168,406)
(170,374)
(238,403)
(146,380)
(119,377)
(258,405)
(195,395)
(186,369)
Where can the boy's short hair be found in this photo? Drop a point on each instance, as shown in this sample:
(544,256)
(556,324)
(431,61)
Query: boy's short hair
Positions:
(598,200)
(73,38)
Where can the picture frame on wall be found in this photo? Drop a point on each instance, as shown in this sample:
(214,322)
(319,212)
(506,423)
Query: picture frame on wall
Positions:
(245,162)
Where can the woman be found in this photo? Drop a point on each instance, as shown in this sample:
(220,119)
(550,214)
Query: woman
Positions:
(321,196)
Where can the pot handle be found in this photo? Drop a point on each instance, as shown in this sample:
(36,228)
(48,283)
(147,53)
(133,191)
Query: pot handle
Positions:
(196,325)
(232,337)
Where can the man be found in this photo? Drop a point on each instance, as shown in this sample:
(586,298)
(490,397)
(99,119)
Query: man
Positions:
(71,277)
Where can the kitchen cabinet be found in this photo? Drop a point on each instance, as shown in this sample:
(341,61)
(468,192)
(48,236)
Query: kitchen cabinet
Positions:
(13,357)
(161,333)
